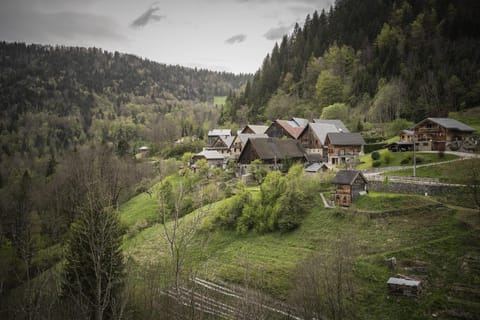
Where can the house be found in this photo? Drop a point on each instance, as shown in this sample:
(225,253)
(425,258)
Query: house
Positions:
(406,135)
(271,151)
(343,146)
(317,167)
(313,139)
(254,129)
(241,140)
(436,134)
(404,286)
(222,144)
(213,157)
(284,128)
(350,184)
(215,133)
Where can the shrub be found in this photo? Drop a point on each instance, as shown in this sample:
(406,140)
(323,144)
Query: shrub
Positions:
(375,155)
(387,157)
(373,147)
(406,160)
(376,164)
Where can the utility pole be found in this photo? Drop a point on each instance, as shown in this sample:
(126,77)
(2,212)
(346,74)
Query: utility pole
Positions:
(414,159)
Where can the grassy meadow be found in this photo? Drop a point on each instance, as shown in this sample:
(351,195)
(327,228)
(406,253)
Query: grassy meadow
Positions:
(430,244)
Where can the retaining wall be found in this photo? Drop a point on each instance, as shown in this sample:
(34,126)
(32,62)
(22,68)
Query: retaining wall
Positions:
(413,188)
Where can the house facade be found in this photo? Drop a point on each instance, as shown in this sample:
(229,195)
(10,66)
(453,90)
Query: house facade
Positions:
(350,184)
(271,151)
(313,139)
(284,129)
(343,147)
(215,133)
(436,134)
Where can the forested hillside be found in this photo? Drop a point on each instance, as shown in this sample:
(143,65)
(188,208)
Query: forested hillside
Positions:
(53,98)
(370,61)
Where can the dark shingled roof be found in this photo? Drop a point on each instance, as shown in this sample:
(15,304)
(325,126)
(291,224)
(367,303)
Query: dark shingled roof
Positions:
(345,138)
(450,124)
(347,177)
(274,148)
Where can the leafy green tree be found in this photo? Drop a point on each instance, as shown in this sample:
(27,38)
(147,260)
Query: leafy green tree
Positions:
(336,111)
(329,89)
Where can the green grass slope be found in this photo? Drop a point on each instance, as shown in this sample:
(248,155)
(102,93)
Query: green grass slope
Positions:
(395,158)
(432,244)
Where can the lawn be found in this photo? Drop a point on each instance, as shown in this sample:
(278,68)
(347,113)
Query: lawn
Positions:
(393,159)
(456,172)
(439,240)
(219,100)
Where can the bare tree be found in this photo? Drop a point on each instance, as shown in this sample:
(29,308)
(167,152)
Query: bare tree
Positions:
(325,284)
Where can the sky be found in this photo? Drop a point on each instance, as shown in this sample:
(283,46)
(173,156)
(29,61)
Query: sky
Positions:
(222,35)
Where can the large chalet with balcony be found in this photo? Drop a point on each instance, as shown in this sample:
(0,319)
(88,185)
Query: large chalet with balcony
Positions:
(436,134)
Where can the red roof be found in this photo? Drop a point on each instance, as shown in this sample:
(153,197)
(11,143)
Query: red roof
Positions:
(293,131)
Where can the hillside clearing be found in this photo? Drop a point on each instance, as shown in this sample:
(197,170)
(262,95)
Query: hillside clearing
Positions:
(438,239)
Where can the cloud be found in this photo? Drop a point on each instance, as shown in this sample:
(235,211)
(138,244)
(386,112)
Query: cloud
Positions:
(238,38)
(277,32)
(74,24)
(147,17)
(63,26)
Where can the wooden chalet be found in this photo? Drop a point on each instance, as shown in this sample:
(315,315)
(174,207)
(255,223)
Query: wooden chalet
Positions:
(435,134)
(254,129)
(213,157)
(343,146)
(241,140)
(406,135)
(272,151)
(404,286)
(313,139)
(215,133)
(222,144)
(284,128)
(350,184)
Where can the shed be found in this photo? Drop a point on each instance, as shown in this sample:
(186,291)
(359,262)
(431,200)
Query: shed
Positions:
(404,286)
(350,184)
(317,167)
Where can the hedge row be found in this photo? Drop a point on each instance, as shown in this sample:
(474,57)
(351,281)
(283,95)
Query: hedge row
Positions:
(368,148)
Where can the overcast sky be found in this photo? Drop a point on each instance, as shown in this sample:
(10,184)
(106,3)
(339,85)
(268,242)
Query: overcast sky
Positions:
(225,35)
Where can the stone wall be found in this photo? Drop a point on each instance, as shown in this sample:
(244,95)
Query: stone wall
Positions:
(413,188)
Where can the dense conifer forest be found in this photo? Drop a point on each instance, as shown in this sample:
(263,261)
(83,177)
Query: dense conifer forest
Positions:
(380,59)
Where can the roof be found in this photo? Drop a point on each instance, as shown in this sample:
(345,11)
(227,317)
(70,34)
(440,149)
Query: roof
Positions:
(245,136)
(274,148)
(403,282)
(343,138)
(316,167)
(219,132)
(347,177)
(291,127)
(314,157)
(322,129)
(449,124)
(408,132)
(228,140)
(337,123)
(257,129)
(301,122)
(210,155)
